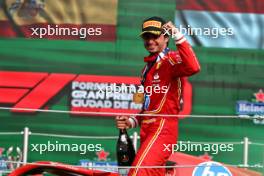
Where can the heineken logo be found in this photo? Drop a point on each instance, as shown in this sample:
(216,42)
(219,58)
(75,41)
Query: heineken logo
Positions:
(253,108)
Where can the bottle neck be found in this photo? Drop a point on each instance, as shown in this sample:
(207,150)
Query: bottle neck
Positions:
(122,131)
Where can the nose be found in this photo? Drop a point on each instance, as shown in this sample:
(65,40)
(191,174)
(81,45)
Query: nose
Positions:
(149,41)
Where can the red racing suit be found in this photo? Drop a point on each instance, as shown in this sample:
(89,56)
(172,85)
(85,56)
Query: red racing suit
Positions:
(156,132)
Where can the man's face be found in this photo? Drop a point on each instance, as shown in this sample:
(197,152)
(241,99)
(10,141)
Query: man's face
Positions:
(154,43)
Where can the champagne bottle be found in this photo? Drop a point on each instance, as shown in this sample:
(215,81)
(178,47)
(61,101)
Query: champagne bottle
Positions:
(125,151)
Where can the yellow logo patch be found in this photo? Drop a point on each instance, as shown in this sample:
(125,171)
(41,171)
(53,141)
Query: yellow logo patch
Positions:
(152,23)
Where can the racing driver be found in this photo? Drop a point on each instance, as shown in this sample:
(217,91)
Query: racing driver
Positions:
(164,67)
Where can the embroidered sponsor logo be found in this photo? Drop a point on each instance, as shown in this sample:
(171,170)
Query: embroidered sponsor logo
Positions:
(152,23)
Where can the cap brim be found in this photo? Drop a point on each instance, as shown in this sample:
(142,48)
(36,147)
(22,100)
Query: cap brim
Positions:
(151,32)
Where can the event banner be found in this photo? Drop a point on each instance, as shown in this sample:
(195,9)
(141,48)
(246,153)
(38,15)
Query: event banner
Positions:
(29,92)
